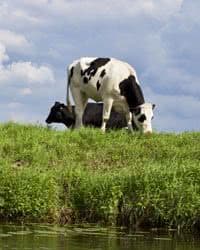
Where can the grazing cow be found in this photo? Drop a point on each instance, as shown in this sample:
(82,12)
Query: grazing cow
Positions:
(92,116)
(113,82)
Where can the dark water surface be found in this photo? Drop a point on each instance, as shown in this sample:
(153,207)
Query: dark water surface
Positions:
(46,237)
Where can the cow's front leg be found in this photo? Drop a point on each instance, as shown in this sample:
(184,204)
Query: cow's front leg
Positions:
(107,106)
(129,121)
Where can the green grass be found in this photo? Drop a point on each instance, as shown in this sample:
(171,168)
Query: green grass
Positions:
(113,178)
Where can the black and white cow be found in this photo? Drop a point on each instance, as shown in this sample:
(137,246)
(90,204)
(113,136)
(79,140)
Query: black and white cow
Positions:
(92,116)
(113,82)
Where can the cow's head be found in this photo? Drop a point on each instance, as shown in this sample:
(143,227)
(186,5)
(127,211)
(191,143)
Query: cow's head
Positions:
(61,113)
(142,116)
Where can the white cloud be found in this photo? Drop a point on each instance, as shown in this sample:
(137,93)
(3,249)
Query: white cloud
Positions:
(175,112)
(13,40)
(12,15)
(165,8)
(172,123)
(21,116)
(30,73)
(99,11)
(127,7)
(177,70)
(36,3)
(25,91)
(19,112)
(3,56)
(44,12)
(14,105)
(172,79)
(26,73)
(24,16)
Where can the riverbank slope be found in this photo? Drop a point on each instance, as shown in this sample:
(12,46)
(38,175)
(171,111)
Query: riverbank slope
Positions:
(87,176)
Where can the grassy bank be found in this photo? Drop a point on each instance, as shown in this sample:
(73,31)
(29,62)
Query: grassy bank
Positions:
(87,176)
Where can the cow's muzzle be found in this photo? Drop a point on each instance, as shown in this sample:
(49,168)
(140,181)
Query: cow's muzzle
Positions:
(47,121)
(148,132)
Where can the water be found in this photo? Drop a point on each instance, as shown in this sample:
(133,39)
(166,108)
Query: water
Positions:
(51,237)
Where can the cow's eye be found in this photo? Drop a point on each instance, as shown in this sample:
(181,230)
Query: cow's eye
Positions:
(142,118)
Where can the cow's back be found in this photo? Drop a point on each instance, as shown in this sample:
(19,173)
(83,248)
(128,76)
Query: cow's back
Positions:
(98,77)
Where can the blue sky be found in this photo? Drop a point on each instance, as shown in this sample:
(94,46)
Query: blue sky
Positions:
(39,38)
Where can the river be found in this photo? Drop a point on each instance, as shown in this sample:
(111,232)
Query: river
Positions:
(91,237)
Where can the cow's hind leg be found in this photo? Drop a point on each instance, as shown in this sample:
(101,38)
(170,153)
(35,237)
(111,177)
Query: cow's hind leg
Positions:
(107,106)
(80,100)
(79,110)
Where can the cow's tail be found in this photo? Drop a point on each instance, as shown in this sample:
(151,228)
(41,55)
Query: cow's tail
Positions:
(68,84)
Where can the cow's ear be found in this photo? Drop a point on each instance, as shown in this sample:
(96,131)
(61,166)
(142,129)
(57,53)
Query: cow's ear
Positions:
(61,107)
(153,106)
(57,104)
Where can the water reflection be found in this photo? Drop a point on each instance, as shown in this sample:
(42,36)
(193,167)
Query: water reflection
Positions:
(34,236)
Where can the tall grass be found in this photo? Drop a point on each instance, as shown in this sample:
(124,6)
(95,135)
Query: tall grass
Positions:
(113,178)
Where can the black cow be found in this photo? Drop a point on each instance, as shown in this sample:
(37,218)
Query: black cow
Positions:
(60,113)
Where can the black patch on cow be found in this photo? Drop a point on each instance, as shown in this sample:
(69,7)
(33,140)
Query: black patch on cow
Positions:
(142,118)
(103,72)
(92,72)
(85,79)
(94,66)
(98,85)
(132,92)
(137,111)
(93,117)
